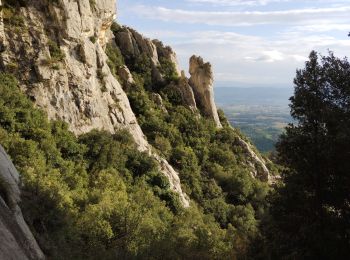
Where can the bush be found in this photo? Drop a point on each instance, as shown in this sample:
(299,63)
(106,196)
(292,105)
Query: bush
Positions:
(55,51)
(167,68)
(115,57)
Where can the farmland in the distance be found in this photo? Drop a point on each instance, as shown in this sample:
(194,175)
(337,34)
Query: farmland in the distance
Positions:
(260,113)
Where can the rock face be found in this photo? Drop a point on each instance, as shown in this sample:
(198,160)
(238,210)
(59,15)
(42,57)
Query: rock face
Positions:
(16,240)
(186,92)
(133,45)
(125,75)
(167,52)
(60,61)
(201,81)
(258,164)
(58,54)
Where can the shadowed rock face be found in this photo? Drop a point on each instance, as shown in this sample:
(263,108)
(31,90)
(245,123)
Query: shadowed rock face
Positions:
(16,240)
(201,81)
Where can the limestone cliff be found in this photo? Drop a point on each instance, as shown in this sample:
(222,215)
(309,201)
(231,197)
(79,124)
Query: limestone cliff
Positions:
(201,81)
(133,45)
(16,240)
(57,52)
(57,49)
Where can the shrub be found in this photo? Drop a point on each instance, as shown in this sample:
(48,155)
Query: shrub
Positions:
(93,39)
(167,68)
(55,52)
(115,57)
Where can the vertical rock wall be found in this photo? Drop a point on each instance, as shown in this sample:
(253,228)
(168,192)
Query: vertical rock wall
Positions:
(61,63)
(201,81)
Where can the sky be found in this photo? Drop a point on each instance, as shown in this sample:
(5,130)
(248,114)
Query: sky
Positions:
(250,43)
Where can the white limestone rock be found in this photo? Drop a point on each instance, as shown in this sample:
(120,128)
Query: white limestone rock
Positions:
(201,81)
(80,89)
(125,75)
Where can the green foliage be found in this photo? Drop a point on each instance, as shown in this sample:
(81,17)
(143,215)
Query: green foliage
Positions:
(115,27)
(93,39)
(98,197)
(167,68)
(12,17)
(213,168)
(142,65)
(115,58)
(55,51)
(56,56)
(311,211)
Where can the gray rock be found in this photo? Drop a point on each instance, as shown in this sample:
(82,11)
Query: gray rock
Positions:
(186,92)
(201,81)
(80,89)
(257,163)
(156,98)
(132,44)
(167,53)
(125,75)
(16,239)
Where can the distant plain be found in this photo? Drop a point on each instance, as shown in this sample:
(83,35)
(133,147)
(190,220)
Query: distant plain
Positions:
(261,113)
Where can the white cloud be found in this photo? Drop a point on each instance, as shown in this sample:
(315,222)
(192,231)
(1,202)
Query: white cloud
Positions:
(297,16)
(268,57)
(251,3)
(237,2)
(323,27)
(245,59)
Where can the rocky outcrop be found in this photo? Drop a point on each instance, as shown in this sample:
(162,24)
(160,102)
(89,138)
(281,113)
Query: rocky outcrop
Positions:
(59,57)
(133,45)
(157,99)
(16,240)
(125,75)
(185,91)
(258,165)
(201,81)
(196,92)
(167,52)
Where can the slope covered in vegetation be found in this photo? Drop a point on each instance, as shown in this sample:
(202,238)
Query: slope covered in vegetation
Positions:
(97,196)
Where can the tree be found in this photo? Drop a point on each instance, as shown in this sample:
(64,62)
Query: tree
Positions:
(311,211)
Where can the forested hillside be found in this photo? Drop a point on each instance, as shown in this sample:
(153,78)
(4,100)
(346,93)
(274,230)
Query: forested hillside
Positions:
(100,193)
(121,156)
(97,196)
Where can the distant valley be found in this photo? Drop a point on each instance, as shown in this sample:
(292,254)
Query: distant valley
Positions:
(260,113)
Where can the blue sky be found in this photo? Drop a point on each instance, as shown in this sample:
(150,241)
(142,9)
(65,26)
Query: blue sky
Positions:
(249,42)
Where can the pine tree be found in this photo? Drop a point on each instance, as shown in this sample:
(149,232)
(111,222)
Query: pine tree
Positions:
(311,211)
